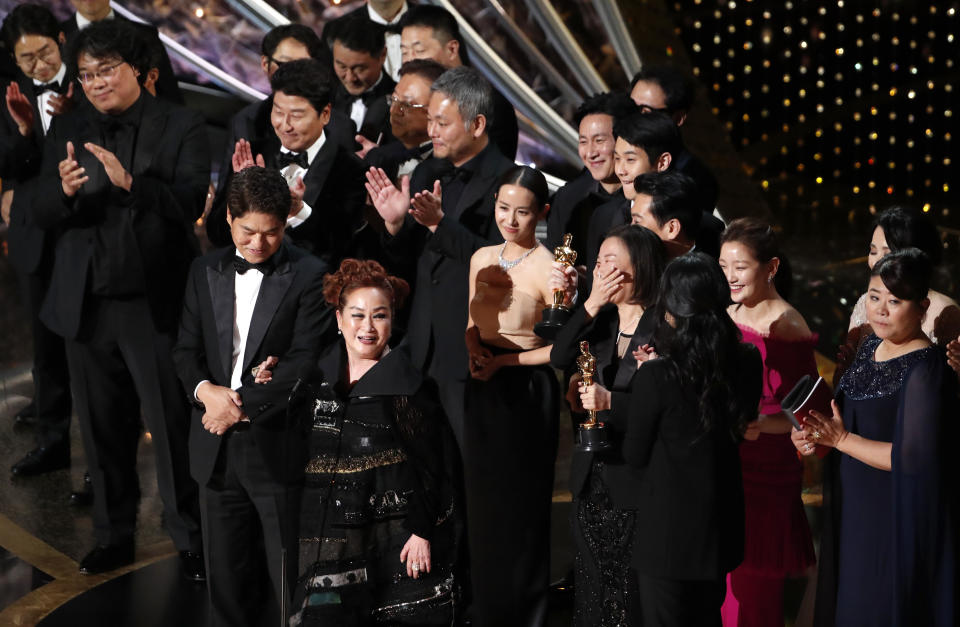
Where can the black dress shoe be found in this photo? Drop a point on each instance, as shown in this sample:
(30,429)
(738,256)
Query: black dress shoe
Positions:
(26,417)
(42,459)
(106,557)
(191,565)
(84,496)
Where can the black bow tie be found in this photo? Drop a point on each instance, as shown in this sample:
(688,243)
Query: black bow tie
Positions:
(241,265)
(53,86)
(454,174)
(286,158)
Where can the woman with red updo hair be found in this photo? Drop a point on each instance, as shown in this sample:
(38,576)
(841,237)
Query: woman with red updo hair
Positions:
(378,520)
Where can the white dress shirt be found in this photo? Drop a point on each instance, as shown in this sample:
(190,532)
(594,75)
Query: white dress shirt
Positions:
(293,171)
(43,100)
(392,63)
(246,288)
(358,110)
(83,22)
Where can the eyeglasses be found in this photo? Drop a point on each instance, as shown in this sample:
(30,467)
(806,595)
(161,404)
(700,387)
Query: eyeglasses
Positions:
(402,106)
(106,73)
(46,54)
(278,63)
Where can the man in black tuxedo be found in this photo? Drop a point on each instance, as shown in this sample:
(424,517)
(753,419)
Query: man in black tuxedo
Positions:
(574,203)
(255,299)
(386,14)
(447,219)
(358,56)
(129,174)
(326,180)
(32,35)
(92,11)
(430,32)
(408,121)
(280,45)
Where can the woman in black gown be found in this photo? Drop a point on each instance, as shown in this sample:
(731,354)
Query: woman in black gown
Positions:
(888,553)
(617,319)
(379,519)
(685,414)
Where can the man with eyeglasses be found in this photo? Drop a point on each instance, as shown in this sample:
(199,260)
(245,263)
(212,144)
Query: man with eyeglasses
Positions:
(92,11)
(282,44)
(124,176)
(41,91)
(408,121)
(326,180)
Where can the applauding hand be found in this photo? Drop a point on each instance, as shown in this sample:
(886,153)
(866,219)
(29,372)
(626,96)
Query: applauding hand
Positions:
(72,176)
(391,203)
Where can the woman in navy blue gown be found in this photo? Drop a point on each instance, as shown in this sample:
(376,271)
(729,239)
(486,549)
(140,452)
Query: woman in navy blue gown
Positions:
(889,550)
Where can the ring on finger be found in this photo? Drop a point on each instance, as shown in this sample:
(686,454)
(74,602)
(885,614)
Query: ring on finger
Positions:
(816,435)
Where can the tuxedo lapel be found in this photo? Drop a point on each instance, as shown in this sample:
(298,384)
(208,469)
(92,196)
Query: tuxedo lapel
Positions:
(318,172)
(153,121)
(480,184)
(220,280)
(272,290)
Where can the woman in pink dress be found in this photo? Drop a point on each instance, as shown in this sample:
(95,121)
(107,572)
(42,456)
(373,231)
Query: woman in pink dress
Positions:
(778,542)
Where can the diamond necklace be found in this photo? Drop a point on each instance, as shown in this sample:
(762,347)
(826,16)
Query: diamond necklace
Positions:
(507,265)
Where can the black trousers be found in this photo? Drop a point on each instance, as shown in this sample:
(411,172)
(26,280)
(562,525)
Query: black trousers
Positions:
(248,519)
(676,603)
(51,378)
(120,367)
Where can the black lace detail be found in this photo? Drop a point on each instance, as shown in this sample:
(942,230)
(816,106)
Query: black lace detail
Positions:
(603,575)
(868,379)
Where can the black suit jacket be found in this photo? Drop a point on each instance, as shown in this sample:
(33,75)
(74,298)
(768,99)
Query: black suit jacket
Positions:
(290,321)
(691,481)
(20,159)
(601,332)
(389,157)
(439,311)
(167,87)
(171,171)
(570,212)
(606,216)
(376,121)
(253,124)
(334,190)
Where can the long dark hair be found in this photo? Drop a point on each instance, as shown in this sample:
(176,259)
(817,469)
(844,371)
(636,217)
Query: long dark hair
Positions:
(702,348)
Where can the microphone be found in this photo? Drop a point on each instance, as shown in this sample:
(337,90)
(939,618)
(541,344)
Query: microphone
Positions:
(308,372)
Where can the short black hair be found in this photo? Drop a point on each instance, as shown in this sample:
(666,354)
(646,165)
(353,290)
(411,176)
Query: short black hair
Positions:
(613,103)
(360,34)
(677,89)
(904,227)
(654,133)
(307,78)
(427,69)
(260,190)
(674,196)
(438,19)
(299,32)
(108,39)
(906,273)
(28,19)
(648,258)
